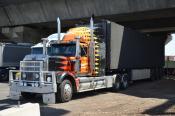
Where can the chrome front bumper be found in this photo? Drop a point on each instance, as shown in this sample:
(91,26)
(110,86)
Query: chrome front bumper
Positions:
(44,87)
(15,86)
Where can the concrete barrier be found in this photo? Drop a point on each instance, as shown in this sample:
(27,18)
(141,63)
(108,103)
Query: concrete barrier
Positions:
(27,109)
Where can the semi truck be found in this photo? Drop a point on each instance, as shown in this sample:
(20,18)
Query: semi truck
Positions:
(101,54)
(10,56)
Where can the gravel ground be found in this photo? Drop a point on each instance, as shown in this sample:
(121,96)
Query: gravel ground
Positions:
(141,98)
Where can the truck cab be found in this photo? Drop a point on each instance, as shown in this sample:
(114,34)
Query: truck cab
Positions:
(66,54)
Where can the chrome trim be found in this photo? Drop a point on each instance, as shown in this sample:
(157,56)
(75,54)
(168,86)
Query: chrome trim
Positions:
(33,66)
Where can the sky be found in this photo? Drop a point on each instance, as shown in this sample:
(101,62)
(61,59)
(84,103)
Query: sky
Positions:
(170,47)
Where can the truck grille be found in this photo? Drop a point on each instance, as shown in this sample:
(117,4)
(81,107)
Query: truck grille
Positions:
(31,66)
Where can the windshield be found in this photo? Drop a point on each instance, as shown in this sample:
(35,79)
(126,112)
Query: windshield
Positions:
(63,50)
(39,50)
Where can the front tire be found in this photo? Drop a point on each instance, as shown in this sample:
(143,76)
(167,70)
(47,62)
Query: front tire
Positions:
(65,91)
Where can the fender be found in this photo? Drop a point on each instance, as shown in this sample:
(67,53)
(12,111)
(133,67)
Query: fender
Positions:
(68,75)
(62,75)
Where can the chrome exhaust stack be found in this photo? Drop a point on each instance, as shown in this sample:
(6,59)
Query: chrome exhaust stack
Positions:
(92,28)
(58,29)
(91,47)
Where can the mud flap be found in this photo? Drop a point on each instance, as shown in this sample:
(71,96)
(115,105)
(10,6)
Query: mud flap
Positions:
(49,98)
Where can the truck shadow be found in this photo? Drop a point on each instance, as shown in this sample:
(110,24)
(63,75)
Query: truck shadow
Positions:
(161,89)
(161,109)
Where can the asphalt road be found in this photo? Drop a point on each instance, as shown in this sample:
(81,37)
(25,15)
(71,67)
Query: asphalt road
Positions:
(142,98)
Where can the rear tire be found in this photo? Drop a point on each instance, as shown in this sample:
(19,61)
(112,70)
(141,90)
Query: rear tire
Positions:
(124,81)
(64,93)
(117,84)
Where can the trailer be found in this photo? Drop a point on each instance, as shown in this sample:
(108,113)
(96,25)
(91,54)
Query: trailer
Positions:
(100,55)
(10,57)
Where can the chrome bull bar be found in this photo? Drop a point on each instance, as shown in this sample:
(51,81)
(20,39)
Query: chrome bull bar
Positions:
(15,77)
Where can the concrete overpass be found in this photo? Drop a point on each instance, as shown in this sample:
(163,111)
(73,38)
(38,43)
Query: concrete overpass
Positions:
(22,20)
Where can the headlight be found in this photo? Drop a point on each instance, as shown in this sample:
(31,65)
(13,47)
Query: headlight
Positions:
(48,79)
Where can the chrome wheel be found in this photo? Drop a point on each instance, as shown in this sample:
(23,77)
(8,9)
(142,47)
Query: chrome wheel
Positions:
(67,91)
(124,81)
